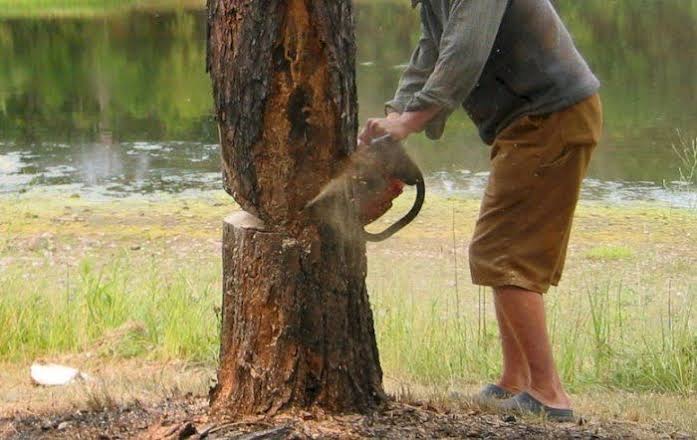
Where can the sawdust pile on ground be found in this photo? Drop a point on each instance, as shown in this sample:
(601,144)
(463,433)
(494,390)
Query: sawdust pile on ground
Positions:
(187,419)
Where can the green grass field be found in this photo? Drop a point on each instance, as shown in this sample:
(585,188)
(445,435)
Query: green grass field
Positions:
(88,8)
(139,279)
(99,8)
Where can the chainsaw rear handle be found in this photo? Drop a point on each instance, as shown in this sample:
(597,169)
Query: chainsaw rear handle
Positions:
(404,221)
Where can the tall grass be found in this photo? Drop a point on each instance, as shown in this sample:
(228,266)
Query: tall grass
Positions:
(120,309)
(431,330)
(686,152)
(603,337)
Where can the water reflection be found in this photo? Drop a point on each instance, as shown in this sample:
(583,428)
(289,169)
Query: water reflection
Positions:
(121,104)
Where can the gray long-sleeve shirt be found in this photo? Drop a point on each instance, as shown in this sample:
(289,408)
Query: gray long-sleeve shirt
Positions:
(500,59)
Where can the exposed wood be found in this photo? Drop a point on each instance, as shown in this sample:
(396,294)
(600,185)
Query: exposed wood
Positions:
(284,87)
(297,327)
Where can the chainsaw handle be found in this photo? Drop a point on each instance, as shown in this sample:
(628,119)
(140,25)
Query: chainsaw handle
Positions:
(404,221)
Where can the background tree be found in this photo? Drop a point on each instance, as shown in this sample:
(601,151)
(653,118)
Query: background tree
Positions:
(297,328)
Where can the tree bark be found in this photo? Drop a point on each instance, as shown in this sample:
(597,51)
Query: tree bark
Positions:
(297,328)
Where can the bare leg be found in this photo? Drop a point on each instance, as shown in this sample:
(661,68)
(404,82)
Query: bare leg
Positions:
(524,311)
(516,373)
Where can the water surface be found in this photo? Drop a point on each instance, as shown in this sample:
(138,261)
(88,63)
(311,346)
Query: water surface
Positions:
(120,104)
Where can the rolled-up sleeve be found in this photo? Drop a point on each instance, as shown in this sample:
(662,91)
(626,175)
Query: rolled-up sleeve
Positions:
(464,48)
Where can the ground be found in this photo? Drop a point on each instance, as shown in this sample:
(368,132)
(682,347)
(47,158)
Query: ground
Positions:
(188,418)
(127,291)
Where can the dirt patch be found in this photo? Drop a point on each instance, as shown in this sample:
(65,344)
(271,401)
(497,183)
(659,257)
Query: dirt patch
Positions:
(188,419)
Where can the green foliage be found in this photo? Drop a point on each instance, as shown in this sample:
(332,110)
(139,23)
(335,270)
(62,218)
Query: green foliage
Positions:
(76,80)
(115,310)
(606,337)
(686,151)
(604,341)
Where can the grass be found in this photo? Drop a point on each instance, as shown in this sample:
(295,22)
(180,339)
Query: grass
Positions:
(118,309)
(600,340)
(686,152)
(609,253)
(88,8)
(139,279)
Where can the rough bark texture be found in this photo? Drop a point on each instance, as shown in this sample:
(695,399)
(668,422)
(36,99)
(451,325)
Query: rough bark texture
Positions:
(284,87)
(297,327)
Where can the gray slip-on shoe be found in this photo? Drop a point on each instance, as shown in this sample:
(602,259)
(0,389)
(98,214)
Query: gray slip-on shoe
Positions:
(524,403)
(492,391)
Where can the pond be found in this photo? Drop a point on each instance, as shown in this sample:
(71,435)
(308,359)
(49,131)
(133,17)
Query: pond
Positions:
(118,103)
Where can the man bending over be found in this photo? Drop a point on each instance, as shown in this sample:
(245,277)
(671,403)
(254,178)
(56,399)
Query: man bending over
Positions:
(514,68)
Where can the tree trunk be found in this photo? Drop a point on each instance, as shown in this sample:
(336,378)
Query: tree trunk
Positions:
(297,329)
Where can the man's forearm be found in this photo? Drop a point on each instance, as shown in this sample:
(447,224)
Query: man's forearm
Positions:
(416,120)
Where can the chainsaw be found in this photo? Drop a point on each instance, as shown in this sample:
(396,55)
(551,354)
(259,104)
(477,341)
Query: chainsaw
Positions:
(374,175)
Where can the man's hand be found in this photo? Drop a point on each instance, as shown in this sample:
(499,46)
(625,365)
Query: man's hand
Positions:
(399,127)
(393,125)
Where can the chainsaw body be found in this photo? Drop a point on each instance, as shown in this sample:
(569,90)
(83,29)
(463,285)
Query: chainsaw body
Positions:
(373,176)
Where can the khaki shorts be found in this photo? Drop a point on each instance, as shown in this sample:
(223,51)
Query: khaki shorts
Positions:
(538,164)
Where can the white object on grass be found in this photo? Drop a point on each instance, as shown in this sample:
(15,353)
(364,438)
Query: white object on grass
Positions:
(55,375)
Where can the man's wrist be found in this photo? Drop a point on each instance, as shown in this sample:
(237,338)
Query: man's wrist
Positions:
(416,121)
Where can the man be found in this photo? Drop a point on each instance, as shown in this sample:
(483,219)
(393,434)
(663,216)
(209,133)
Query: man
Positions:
(514,67)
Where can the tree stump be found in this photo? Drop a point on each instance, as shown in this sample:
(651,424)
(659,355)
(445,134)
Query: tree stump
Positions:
(297,328)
